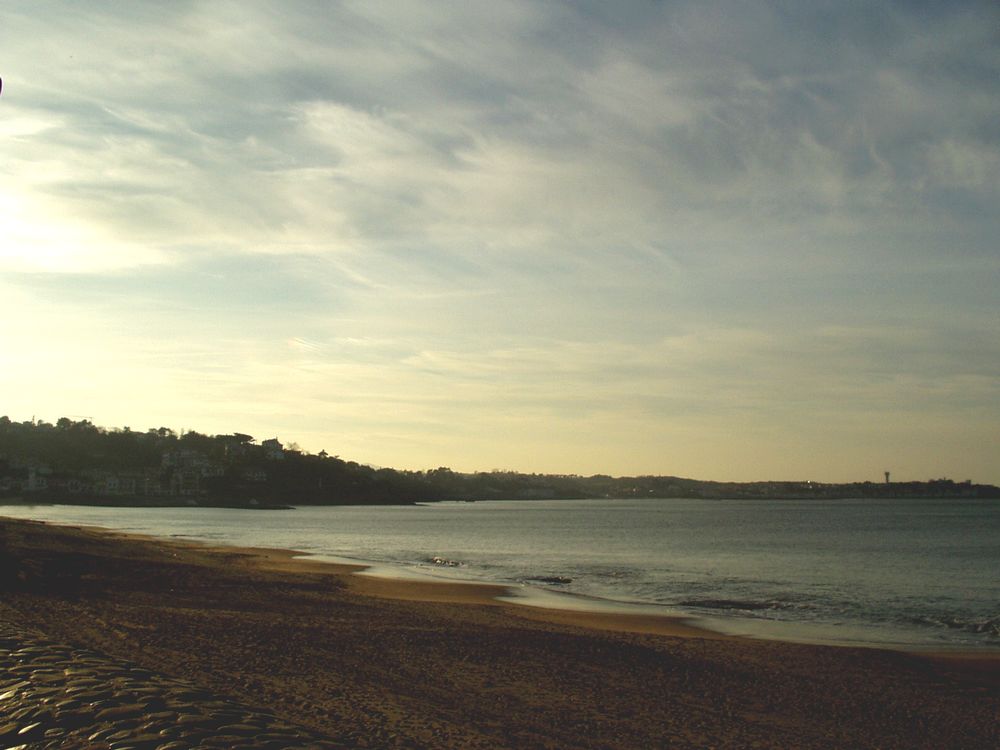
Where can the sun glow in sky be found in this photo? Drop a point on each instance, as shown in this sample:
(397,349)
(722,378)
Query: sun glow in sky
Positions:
(722,240)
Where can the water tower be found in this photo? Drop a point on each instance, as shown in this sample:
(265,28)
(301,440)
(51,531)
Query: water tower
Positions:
(887,477)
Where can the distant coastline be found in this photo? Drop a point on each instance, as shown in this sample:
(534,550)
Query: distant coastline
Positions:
(78,463)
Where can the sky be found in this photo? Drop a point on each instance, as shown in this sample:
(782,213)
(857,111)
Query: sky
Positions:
(722,240)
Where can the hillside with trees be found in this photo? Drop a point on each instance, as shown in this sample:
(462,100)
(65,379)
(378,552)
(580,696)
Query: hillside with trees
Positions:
(77,462)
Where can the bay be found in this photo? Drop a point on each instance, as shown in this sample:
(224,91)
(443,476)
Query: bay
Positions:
(899,573)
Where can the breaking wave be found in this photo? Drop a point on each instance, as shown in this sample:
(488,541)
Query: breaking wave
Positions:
(740,605)
(988,626)
(561,580)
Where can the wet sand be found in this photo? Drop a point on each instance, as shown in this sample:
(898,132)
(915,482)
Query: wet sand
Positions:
(291,645)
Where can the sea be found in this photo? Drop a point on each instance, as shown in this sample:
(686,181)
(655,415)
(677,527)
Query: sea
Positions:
(914,574)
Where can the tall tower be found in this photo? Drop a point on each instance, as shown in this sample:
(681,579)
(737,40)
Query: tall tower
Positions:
(887,477)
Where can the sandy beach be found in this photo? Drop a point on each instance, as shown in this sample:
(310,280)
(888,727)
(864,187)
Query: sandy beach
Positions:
(358,661)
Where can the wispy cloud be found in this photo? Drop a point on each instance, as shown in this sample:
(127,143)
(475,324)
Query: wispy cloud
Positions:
(393,217)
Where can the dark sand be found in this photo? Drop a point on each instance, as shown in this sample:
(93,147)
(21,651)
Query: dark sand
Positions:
(370,662)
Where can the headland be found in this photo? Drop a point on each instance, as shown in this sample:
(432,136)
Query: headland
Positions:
(78,463)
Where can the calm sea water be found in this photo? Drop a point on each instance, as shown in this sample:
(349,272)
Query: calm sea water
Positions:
(921,573)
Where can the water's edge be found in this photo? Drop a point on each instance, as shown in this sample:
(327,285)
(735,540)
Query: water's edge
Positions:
(913,578)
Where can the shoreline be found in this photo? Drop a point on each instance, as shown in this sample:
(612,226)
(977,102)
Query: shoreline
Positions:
(419,588)
(396,582)
(610,615)
(359,661)
(427,589)
(383,581)
(388,581)
(402,583)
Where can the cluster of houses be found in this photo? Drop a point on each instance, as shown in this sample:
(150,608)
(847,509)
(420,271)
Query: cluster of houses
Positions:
(182,473)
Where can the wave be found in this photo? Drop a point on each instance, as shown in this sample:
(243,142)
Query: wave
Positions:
(988,626)
(743,605)
(444,562)
(616,575)
(547,579)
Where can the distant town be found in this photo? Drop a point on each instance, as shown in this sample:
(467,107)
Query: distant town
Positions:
(77,462)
